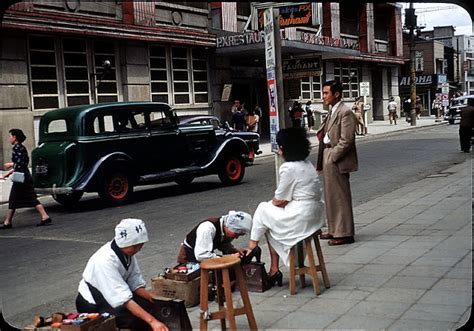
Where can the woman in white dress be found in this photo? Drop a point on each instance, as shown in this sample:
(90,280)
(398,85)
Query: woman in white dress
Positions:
(296,210)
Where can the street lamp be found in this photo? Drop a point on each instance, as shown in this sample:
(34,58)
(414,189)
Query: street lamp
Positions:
(98,76)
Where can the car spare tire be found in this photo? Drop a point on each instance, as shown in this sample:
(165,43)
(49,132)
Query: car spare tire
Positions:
(231,170)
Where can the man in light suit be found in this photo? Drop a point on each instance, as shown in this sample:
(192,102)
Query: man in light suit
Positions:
(337,158)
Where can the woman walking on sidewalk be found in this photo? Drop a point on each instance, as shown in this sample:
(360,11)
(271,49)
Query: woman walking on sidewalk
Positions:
(22,193)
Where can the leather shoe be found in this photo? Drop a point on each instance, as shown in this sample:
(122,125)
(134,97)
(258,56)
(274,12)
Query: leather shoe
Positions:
(341,241)
(6,226)
(326,236)
(45,222)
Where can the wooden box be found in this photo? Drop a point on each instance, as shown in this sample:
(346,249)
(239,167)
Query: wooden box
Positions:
(188,291)
(175,275)
(96,324)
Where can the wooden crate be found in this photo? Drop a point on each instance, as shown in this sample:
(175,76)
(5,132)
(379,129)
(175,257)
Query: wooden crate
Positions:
(175,289)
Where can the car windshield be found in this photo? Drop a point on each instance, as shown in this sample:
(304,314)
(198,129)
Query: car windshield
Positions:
(459,102)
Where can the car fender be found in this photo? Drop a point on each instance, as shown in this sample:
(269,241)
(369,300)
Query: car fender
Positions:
(234,144)
(117,157)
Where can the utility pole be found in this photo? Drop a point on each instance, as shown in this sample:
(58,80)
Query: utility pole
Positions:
(410,23)
(274,79)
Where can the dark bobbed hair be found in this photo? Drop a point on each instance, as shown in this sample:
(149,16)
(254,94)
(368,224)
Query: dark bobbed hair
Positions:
(335,86)
(18,134)
(295,145)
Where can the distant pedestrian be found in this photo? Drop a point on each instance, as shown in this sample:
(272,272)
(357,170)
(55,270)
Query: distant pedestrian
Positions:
(358,109)
(22,194)
(338,158)
(296,114)
(437,107)
(258,111)
(407,108)
(466,125)
(418,107)
(251,121)
(392,111)
(238,119)
(236,106)
(309,115)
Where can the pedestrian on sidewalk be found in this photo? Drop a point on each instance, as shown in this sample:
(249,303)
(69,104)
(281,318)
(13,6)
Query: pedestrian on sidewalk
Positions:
(215,233)
(466,125)
(112,281)
(392,111)
(296,114)
(418,107)
(296,210)
(407,108)
(337,159)
(309,115)
(22,194)
(358,109)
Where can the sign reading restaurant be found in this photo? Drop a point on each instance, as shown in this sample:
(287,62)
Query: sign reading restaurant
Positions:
(293,15)
(248,38)
(299,68)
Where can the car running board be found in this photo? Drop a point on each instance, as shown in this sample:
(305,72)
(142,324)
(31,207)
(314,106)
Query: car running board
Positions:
(190,171)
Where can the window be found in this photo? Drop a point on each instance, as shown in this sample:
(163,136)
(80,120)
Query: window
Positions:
(179,65)
(106,85)
(57,126)
(76,73)
(159,74)
(349,76)
(103,124)
(44,80)
(159,119)
(60,71)
(199,76)
(311,88)
(178,75)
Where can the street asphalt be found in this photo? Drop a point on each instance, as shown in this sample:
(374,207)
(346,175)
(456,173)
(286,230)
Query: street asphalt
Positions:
(410,267)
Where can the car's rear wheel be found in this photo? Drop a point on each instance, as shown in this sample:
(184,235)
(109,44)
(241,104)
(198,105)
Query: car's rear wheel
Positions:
(451,121)
(185,180)
(68,200)
(232,170)
(116,187)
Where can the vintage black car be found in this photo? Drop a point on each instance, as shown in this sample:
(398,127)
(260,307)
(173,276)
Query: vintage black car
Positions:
(110,148)
(223,131)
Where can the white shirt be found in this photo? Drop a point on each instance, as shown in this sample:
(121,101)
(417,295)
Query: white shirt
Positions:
(205,234)
(326,137)
(106,273)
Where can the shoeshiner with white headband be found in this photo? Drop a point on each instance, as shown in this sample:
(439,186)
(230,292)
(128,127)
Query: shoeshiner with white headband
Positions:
(215,233)
(112,281)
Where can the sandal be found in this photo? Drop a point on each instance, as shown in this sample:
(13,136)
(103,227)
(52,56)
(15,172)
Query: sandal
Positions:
(44,222)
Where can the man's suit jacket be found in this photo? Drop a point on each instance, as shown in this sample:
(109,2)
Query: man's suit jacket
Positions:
(341,129)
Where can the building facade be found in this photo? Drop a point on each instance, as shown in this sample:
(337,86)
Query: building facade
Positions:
(62,53)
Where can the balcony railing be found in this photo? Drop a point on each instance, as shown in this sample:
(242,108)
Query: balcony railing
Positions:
(382,46)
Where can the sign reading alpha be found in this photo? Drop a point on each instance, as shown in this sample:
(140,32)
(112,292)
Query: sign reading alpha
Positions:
(293,15)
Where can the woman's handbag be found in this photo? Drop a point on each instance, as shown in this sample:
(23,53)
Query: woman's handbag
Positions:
(17,177)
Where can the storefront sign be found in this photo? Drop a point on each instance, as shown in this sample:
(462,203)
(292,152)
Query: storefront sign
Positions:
(248,38)
(420,80)
(300,68)
(294,15)
(313,38)
(270,60)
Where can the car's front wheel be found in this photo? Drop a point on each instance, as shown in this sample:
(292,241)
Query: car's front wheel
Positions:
(116,187)
(232,170)
(68,200)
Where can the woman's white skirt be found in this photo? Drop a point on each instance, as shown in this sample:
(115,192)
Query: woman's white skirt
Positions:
(285,227)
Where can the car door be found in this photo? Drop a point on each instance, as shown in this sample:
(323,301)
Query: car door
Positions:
(134,136)
(167,143)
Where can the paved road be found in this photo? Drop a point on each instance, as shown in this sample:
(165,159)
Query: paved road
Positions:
(41,266)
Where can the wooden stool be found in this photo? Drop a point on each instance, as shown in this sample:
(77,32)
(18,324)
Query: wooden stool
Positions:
(312,269)
(221,266)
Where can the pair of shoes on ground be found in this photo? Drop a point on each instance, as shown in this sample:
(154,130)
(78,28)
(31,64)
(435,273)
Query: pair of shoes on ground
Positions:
(336,241)
(47,221)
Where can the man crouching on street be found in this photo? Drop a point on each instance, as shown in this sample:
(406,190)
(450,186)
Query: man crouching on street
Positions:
(215,233)
(112,281)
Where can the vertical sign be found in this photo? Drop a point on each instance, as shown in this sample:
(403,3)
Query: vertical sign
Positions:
(271,79)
